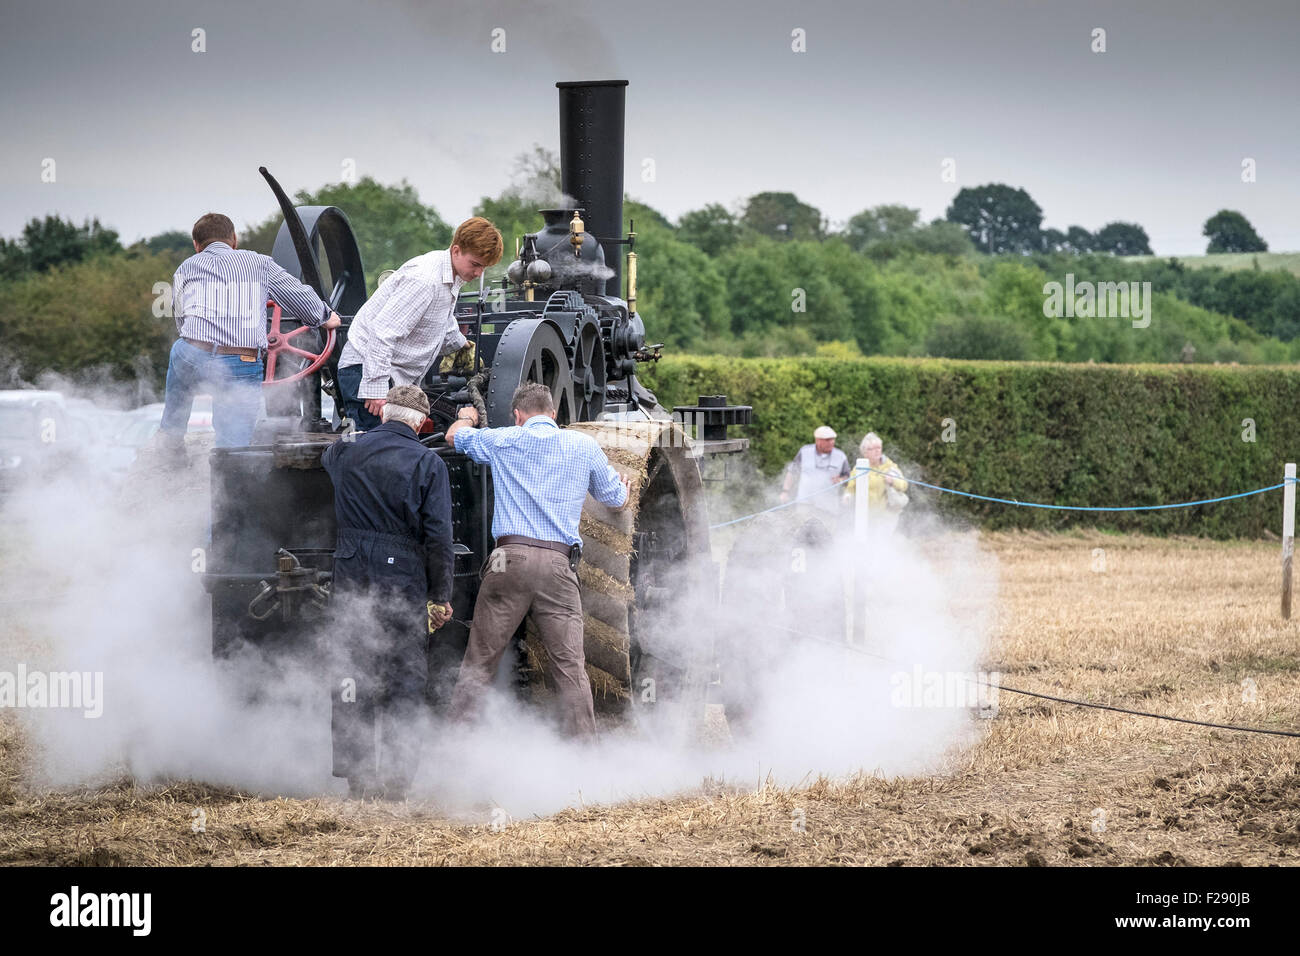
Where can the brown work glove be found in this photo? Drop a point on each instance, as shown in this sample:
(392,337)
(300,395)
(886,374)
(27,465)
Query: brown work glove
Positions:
(459,362)
(439,614)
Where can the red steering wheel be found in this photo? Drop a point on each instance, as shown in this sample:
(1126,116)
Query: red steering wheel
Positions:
(277,342)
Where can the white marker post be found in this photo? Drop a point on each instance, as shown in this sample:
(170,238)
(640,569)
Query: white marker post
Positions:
(1288,537)
(861,491)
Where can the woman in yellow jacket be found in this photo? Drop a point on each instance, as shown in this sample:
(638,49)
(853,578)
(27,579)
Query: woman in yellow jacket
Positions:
(886,486)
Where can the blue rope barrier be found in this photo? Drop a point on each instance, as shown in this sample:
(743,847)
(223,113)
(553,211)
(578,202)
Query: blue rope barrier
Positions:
(1012,501)
(1033,504)
(784,504)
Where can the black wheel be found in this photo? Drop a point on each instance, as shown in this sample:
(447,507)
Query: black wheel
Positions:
(670,642)
(588,372)
(530,350)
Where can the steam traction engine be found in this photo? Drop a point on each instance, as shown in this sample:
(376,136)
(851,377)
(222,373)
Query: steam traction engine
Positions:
(558,317)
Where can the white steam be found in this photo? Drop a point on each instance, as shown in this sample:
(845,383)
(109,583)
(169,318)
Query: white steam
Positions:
(100,581)
(567,269)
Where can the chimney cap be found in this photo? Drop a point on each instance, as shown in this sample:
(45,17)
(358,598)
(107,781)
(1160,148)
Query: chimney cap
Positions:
(569,84)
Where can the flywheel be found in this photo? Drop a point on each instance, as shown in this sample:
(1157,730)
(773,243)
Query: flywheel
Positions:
(530,350)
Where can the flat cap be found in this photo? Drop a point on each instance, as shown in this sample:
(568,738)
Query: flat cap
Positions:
(409,396)
(825,431)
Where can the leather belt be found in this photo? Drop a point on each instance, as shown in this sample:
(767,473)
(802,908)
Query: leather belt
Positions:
(214,349)
(533,543)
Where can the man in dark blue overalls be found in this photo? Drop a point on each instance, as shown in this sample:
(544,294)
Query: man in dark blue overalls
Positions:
(392,586)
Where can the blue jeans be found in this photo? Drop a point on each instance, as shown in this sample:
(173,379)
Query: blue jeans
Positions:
(353,406)
(236,388)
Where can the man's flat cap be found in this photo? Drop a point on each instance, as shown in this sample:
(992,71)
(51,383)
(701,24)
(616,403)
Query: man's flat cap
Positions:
(825,431)
(409,396)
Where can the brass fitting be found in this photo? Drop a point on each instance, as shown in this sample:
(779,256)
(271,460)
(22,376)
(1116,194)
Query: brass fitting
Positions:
(576,228)
(631,267)
(631,282)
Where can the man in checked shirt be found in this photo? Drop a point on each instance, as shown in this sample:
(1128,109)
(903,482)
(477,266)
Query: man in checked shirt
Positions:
(410,320)
(219,299)
(541,475)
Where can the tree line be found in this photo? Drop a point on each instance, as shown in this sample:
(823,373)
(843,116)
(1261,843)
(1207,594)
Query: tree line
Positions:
(769,276)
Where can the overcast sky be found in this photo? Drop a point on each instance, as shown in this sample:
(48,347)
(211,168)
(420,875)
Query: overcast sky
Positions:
(147,134)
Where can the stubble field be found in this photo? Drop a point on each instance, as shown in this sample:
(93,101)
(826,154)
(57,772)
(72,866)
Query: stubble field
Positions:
(1183,627)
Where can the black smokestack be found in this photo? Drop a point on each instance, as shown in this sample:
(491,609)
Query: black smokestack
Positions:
(591,162)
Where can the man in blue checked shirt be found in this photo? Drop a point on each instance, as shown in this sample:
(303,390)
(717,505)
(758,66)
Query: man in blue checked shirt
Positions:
(541,475)
(219,300)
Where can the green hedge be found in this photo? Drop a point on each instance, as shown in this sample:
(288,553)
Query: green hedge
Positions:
(1112,435)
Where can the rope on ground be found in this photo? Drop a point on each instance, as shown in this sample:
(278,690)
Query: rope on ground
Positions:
(1059,700)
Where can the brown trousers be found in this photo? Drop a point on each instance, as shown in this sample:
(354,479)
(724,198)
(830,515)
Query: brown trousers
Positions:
(528,580)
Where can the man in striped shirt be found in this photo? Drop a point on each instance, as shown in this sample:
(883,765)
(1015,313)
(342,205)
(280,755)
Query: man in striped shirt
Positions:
(219,300)
(410,320)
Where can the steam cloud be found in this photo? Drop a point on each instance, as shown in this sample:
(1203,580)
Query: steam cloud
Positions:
(567,270)
(100,579)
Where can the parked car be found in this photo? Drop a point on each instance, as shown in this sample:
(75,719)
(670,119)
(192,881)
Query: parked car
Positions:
(40,436)
(51,429)
(142,424)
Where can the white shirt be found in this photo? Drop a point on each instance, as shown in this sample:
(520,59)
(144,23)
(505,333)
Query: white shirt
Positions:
(219,295)
(406,325)
(818,472)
